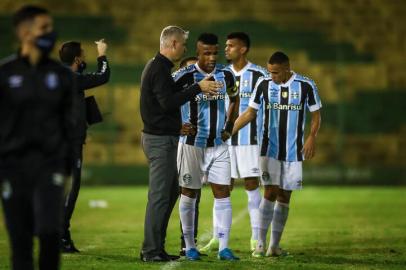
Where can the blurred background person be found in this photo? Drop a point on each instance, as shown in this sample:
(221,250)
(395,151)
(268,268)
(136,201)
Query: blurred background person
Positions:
(37,118)
(72,55)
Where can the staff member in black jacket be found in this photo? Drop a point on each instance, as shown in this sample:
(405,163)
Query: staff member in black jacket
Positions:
(73,55)
(160,111)
(36,120)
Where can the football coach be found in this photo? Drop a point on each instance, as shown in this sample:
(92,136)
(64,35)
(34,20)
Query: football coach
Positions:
(160,106)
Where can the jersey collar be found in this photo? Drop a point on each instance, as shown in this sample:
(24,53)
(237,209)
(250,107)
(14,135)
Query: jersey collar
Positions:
(239,73)
(204,72)
(291,79)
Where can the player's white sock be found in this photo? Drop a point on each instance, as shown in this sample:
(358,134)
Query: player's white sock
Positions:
(223,213)
(254,200)
(215,223)
(266,212)
(187,217)
(278,223)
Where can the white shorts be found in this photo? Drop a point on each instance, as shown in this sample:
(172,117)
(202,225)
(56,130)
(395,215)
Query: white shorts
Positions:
(244,161)
(197,165)
(287,175)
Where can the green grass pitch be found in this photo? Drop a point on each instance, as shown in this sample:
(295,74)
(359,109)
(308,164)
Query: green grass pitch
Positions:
(328,228)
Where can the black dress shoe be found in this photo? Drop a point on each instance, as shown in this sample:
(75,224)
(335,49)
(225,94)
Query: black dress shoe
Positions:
(170,257)
(154,258)
(67,246)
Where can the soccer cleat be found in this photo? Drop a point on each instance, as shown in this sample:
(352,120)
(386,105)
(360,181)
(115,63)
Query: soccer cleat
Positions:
(253,244)
(258,252)
(227,255)
(276,252)
(211,246)
(192,255)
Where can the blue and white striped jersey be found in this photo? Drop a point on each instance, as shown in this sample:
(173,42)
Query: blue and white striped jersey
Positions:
(207,113)
(284,115)
(246,79)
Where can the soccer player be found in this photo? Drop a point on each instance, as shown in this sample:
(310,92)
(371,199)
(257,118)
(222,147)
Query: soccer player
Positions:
(205,155)
(73,56)
(244,151)
(187,129)
(37,117)
(285,96)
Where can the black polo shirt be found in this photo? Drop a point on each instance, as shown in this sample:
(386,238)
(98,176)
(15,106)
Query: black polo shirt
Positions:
(161,98)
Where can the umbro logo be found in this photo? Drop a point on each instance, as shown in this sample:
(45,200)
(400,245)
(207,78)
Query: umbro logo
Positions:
(294,95)
(15,81)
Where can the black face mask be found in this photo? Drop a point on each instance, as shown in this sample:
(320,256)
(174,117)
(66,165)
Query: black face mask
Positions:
(46,42)
(82,67)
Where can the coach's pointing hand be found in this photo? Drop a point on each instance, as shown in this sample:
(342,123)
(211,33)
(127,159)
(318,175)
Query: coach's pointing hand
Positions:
(209,86)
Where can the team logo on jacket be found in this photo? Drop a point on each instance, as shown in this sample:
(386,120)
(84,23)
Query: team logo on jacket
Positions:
(51,81)
(15,81)
(284,94)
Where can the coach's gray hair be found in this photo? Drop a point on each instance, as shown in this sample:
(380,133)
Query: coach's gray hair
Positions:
(169,33)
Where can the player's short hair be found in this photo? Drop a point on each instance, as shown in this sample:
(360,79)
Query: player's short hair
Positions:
(278,58)
(208,39)
(28,13)
(69,51)
(170,32)
(242,36)
(187,59)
